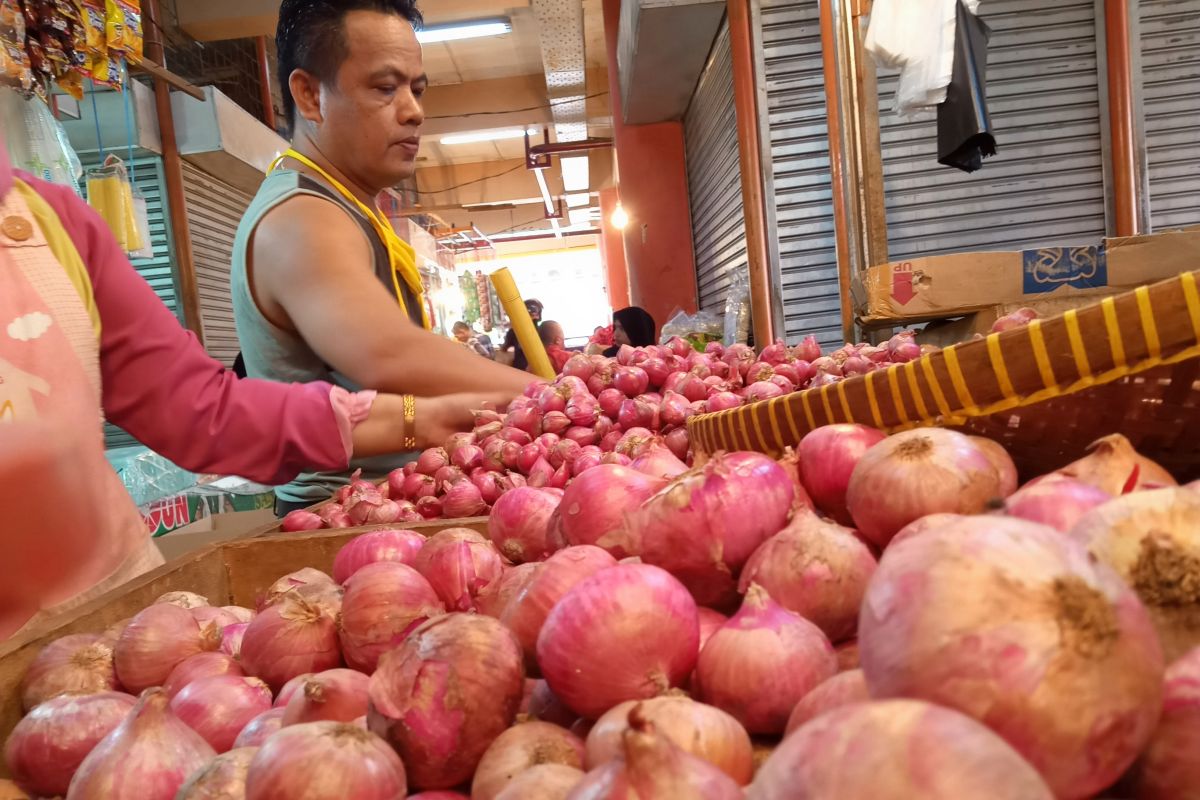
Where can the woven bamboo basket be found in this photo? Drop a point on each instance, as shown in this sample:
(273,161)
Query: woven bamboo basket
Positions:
(1128,364)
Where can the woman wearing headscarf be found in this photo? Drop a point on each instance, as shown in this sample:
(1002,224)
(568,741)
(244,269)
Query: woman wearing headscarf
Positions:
(632,326)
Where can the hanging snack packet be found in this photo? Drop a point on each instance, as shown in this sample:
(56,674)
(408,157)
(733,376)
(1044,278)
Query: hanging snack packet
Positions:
(91,16)
(123,26)
(16,70)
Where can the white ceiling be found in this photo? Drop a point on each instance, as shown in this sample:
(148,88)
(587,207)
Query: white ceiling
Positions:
(516,53)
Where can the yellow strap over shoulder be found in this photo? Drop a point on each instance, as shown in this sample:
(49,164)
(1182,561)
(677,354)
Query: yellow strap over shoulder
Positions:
(63,249)
(401,254)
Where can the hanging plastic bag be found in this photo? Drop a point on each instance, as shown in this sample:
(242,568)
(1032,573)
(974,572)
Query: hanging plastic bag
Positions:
(141,217)
(697,329)
(737,310)
(110,192)
(37,142)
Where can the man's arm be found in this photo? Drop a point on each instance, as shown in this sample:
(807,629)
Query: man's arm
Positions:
(313,265)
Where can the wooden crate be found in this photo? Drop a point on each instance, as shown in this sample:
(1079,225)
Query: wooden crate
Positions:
(227,573)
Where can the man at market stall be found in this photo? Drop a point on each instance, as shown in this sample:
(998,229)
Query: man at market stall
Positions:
(83,337)
(323,288)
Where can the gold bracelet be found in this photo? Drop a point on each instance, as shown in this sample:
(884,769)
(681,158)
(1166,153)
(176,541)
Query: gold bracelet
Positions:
(410,416)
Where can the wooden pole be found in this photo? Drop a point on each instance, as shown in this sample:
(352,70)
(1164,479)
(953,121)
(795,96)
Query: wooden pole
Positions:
(264,81)
(189,294)
(745,100)
(837,165)
(1120,117)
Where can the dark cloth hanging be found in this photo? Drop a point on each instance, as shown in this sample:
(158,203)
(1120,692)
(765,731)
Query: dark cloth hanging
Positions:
(638,326)
(964,125)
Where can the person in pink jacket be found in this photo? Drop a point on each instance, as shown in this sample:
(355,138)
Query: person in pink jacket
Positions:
(83,338)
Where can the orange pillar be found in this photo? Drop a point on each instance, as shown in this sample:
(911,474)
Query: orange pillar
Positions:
(1120,117)
(612,249)
(654,193)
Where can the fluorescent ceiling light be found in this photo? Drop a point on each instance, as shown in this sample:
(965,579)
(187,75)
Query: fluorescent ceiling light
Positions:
(458,31)
(575,173)
(546,197)
(577,200)
(483,136)
(580,216)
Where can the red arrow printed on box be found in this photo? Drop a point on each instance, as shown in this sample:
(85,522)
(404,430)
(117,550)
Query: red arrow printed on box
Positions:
(902,283)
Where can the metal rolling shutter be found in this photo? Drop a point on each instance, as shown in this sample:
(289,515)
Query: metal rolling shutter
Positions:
(1046,184)
(714,178)
(802,195)
(1170,45)
(214,209)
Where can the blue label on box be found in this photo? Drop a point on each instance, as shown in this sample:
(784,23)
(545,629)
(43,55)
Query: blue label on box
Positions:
(1051,267)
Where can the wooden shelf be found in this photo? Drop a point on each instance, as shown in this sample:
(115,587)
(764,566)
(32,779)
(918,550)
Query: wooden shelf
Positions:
(162,73)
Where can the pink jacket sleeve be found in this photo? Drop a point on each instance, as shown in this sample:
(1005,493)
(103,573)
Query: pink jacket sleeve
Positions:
(163,388)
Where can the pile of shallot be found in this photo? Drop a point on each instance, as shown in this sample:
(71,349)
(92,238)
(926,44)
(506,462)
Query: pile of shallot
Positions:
(868,616)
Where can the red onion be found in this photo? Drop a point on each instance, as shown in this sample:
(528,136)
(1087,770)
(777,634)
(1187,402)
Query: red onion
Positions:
(301,521)
(211,615)
(239,613)
(675,409)
(579,366)
(828,456)
(259,729)
(383,604)
(290,638)
(840,690)
(155,641)
(146,757)
(659,462)
(220,706)
(430,507)
(50,742)
(596,503)
(485,432)
(81,663)
(1002,461)
(541,782)
(1056,500)
(519,525)
(632,381)
(547,442)
(1012,621)
(431,460)
(915,473)
(290,688)
(325,761)
(524,419)
(444,695)
(418,485)
(556,422)
(926,523)
(628,632)
(1168,768)
(399,546)
(609,441)
(231,639)
(384,513)
(493,600)
(657,372)
(526,613)
(815,568)
(723,401)
(565,451)
(582,410)
(330,512)
(544,705)
(913,749)
(583,436)
(187,600)
(463,500)
(703,527)
(201,665)
(761,662)
(763,390)
(520,748)
(678,443)
(468,458)
(223,778)
(309,582)
(652,766)
(808,349)
(610,401)
(551,399)
(459,563)
(339,519)
(457,440)
(701,730)
(1152,540)
(336,695)
(540,473)
(759,371)
(1114,466)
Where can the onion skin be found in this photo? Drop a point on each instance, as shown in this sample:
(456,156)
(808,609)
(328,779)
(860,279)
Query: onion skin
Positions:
(519,525)
(1001,460)
(325,761)
(702,730)
(201,665)
(459,563)
(1152,540)
(1168,768)
(47,746)
(1114,466)
(81,663)
(300,521)
(522,747)
(493,600)
(1056,500)
(444,695)
(595,505)
(290,688)
(710,622)
(294,580)
(1070,674)
(915,473)
(545,706)
(399,546)
(761,662)
(384,602)
(527,611)
(231,639)
(827,459)
(543,782)
(155,641)
(595,647)
(815,568)
(223,778)
(896,750)
(840,690)
(219,707)
(289,639)
(259,729)
(336,695)
(147,757)
(187,600)
(926,523)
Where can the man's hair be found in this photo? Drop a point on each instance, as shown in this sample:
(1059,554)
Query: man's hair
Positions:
(548,331)
(461,326)
(311,36)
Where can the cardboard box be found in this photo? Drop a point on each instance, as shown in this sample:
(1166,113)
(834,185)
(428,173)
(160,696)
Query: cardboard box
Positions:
(943,333)
(221,496)
(954,285)
(213,529)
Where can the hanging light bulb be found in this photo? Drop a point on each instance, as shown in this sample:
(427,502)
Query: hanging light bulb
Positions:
(619,218)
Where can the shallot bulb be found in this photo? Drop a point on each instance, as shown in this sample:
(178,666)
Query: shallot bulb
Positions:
(444,695)
(652,766)
(519,525)
(815,568)
(52,740)
(295,580)
(201,665)
(493,600)
(1069,672)
(1002,461)
(336,695)
(155,641)
(915,473)
(840,690)
(702,730)
(219,707)
(187,600)
(1152,540)
(1114,466)
(522,747)
(259,729)
(146,757)
(628,632)
(81,663)
(459,563)
(913,749)
(431,460)
(542,782)
(828,456)
(223,778)
(290,638)
(545,706)
(463,500)
(325,761)
(660,462)
(761,662)
(595,506)
(1055,500)
(723,401)
(301,521)
(1168,768)
(400,546)
(384,602)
